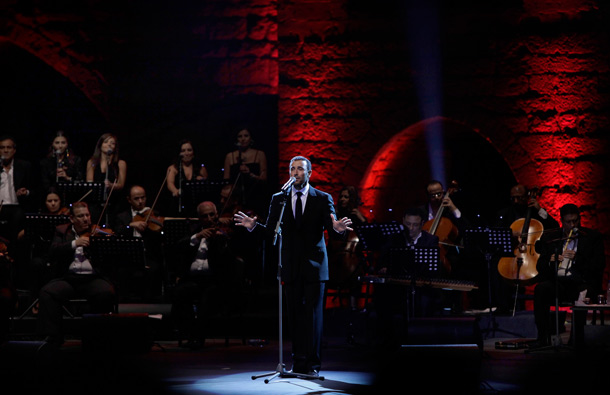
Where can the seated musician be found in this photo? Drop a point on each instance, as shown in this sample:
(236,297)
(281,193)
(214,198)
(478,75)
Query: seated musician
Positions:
(392,299)
(580,254)
(8,292)
(79,278)
(522,200)
(206,274)
(144,283)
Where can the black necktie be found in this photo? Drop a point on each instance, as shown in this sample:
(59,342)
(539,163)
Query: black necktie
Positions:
(298,209)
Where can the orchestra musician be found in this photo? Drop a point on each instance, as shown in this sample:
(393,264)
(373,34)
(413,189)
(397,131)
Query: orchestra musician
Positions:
(451,224)
(78,276)
(392,299)
(8,292)
(135,222)
(573,256)
(205,275)
(522,200)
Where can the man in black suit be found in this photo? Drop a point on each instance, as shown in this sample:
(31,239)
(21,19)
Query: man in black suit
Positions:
(79,277)
(207,274)
(523,201)
(580,254)
(304,260)
(16,197)
(140,283)
(393,299)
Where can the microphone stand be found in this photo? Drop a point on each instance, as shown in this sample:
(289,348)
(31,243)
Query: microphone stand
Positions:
(180,186)
(556,343)
(280,370)
(58,166)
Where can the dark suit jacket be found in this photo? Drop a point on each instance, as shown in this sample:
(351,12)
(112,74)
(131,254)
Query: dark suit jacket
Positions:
(22,178)
(588,265)
(220,257)
(152,240)
(303,252)
(61,253)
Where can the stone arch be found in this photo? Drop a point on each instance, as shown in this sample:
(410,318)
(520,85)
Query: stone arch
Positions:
(397,176)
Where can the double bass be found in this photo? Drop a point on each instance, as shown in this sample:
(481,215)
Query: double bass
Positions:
(522,267)
(444,229)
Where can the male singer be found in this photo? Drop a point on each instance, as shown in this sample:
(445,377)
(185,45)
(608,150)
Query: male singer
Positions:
(308,212)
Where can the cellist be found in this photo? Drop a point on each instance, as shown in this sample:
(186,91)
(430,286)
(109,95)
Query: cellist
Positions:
(451,223)
(522,199)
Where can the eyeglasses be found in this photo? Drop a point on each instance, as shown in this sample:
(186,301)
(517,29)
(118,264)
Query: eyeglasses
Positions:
(435,194)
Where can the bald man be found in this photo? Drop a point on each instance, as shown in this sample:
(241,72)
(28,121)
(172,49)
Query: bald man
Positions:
(204,274)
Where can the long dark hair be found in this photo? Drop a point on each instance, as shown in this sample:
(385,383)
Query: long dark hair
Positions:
(97,153)
(68,154)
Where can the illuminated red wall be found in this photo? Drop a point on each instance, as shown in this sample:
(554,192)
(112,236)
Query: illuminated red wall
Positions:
(530,78)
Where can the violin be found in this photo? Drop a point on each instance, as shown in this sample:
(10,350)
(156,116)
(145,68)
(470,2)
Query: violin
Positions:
(522,267)
(154,223)
(444,229)
(97,230)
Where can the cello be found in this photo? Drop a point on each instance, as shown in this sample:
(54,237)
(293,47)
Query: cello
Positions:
(522,267)
(444,229)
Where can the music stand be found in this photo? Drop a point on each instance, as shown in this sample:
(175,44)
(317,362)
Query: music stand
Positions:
(413,263)
(175,229)
(489,242)
(373,236)
(43,225)
(108,252)
(90,192)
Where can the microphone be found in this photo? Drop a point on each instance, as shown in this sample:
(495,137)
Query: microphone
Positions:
(109,152)
(57,152)
(288,184)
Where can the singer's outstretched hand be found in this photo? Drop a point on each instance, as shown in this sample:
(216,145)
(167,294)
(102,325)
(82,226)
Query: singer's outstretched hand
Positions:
(341,225)
(242,219)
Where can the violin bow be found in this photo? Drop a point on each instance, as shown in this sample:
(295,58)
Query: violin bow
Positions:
(157,197)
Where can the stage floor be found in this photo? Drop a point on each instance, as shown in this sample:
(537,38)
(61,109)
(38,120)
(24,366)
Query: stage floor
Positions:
(351,365)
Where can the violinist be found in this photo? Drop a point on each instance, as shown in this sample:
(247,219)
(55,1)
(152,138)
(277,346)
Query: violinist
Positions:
(53,205)
(206,273)
(8,292)
(78,276)
(38,267)
(135,221)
